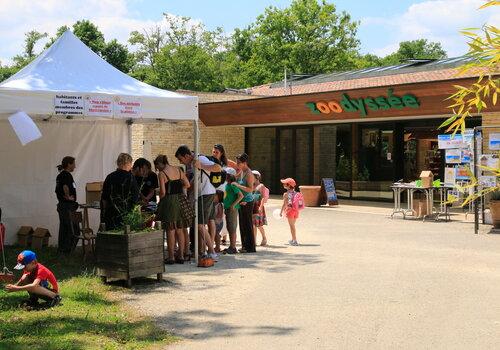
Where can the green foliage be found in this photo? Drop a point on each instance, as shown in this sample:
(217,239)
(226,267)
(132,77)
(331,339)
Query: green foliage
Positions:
(31,38)
(118,56)
(306,37)
(136,219)
(90,316)
(415,49)
(90,35)
(495,196)
(6,72)
(343,170)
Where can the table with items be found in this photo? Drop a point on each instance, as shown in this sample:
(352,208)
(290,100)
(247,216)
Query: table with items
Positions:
(435,212)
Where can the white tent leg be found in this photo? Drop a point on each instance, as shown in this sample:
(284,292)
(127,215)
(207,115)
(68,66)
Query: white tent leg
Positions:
(196,183)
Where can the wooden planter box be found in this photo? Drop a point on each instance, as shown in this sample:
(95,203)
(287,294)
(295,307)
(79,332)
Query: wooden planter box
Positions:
(312,195)
(126,256)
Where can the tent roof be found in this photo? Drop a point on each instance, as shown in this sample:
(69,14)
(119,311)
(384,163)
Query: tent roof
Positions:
(69,66)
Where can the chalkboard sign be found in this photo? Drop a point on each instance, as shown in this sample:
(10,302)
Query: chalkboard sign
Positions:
(328,190)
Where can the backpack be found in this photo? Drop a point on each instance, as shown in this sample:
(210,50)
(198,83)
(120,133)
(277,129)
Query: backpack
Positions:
(216,178)
(298,201)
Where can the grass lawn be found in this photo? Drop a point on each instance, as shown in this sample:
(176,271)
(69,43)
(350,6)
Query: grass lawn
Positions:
(90,317)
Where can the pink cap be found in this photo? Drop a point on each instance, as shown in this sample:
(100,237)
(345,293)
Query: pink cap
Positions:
(289,181)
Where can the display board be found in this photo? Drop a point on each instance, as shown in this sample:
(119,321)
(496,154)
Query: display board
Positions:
(329,192)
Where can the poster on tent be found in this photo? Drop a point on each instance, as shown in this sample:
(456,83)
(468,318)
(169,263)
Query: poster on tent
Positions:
(453,156)
(494,142)
(69,104)
(127,108)
(98,106)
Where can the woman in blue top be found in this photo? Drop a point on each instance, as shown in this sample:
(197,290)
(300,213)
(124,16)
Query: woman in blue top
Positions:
(245,184)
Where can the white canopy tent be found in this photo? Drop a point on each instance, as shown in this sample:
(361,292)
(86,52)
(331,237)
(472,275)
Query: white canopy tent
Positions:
(69,79)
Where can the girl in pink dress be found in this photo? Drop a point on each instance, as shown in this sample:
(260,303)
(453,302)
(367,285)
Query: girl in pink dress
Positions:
(291,213)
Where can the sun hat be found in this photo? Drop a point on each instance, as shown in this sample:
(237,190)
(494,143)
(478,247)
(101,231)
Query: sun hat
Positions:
(256,172)
(24,258)
(289,181)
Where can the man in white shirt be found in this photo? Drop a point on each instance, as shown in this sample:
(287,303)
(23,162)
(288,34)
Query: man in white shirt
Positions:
(206,191)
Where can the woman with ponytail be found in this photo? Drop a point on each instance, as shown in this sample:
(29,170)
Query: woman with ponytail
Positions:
(66,196)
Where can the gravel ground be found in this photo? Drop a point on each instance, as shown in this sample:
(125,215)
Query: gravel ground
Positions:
(358,280)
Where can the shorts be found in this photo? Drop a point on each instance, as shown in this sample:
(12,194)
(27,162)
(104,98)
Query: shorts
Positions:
(292,213)
(231,220)
(218,227)
(34,297)
(206,210)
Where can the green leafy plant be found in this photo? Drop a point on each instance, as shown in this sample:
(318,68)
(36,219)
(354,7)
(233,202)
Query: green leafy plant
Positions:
(495,196)
(136,219)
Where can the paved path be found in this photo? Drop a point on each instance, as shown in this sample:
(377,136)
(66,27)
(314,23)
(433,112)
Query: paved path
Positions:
(357,281)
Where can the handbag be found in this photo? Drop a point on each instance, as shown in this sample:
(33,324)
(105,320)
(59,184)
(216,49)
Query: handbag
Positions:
(187,210)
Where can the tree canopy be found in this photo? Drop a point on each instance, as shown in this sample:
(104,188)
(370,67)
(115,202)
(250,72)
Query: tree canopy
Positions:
(308,36)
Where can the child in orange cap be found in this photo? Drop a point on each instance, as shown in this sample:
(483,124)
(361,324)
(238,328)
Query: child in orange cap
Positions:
(291,213)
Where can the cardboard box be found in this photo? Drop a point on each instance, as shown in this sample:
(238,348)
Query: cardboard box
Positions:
(427,178)
(93,192)
(40,238)
(24,236)
(420,207)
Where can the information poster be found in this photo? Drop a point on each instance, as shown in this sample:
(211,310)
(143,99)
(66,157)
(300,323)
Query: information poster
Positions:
(67,104)
(449,176)
(488,161)
(494,142)
(127,107)
(462,173)
(448,141)
(98,106)
(466,156)
(487,181)
(453,156)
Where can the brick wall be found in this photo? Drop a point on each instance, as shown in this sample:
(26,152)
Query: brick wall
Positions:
(165,137)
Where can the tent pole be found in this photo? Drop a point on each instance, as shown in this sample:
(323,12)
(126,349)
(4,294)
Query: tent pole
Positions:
(196,183)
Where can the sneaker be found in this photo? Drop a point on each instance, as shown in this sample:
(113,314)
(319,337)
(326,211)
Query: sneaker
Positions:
(292,242)
(214,256)
(230,251)
(56,301)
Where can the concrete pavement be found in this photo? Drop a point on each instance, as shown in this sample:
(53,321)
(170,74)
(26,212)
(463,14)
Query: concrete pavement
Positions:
(356,281)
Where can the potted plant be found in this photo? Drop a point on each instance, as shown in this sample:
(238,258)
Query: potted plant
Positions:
(135,250)
(495,208)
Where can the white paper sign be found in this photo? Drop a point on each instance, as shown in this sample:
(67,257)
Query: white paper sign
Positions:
(487,181)
(98,106)
(453,156)
(450,176)
(127,107)
(494,143)
(24,127)
(69,104)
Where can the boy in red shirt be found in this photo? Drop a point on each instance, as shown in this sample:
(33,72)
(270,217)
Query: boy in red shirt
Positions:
(37,280)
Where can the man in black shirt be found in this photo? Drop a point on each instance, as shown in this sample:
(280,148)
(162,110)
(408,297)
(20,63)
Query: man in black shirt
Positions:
(119,193)
(146,179)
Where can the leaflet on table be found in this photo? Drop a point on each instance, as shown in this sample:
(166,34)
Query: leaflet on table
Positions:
(453,156)
(494,142)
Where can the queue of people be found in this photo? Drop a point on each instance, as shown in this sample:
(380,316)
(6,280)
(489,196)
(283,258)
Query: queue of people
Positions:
(229,192)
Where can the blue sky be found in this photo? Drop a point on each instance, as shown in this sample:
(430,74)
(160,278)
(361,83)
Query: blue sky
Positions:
(384,23)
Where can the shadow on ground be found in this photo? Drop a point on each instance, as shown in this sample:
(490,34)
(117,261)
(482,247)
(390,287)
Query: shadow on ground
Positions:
(190,326)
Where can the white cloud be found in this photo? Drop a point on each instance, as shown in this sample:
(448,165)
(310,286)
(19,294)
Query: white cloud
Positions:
(18,17)
(435,20)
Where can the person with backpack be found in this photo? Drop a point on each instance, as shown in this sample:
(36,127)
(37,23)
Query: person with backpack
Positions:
(205,196)
(261,195)
(293,202)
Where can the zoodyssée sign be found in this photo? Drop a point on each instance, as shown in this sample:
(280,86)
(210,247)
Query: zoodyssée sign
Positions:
(363,105)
